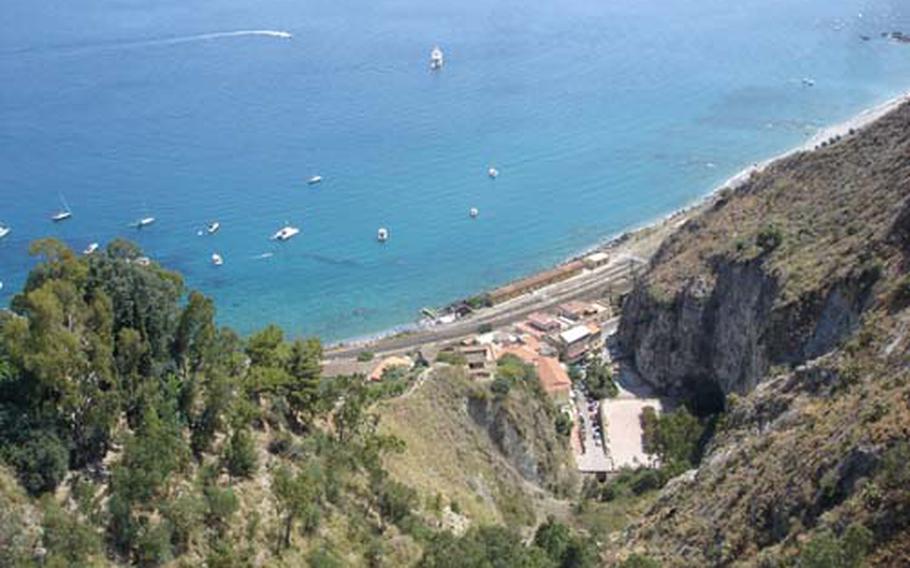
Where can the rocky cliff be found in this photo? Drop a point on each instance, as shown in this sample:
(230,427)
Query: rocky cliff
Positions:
(777,272)
(787,304)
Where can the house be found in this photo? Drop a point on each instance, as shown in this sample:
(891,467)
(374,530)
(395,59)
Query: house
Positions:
(479,357)
(575,343)
(554,379)
(576,310)
(544,322)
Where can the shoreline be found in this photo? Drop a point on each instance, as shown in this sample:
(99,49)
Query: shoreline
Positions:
(613,242)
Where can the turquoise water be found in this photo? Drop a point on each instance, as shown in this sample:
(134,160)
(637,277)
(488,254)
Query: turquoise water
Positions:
(600,115)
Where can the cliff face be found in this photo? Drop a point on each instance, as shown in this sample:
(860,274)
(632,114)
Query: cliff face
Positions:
(723,335)
(499,458)
(787,302)
(777,272)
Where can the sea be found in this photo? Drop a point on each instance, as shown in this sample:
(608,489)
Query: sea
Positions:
(600,115)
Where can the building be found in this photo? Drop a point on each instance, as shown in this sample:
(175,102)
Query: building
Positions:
(536,281)
(596,259)
(480,361)
(576,310)
(544,322)
(575,343)
(554,379)
(479,358)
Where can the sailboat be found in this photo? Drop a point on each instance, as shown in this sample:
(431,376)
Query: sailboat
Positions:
(64,213)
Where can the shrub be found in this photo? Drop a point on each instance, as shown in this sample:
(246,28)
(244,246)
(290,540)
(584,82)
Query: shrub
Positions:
(900,297)
(365,356)
(639,561)
(599,379)
(563,424)
(41,462)
(769,238)
(829,551)
(501,386)
(485,328)
(240,455)
(478,302)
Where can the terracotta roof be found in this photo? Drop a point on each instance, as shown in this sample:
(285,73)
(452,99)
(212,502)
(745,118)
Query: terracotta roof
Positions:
(552,376)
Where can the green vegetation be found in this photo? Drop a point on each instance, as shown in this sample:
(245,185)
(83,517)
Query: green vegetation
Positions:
(365,356)
(826,550)
(554,546)
(564,424)
(675,437)
(452,358)
(110,366)
(769,238)
(479,302)
(599,379)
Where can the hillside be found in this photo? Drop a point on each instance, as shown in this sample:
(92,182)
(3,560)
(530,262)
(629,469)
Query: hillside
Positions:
(498,459)
(786,306)
(135,432)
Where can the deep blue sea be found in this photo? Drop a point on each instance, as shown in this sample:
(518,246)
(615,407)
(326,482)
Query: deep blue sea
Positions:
(599,114)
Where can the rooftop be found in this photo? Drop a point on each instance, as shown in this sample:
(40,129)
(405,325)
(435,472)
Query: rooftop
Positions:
(574,334)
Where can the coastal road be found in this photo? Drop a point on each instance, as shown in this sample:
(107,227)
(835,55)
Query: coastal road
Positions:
(616,277)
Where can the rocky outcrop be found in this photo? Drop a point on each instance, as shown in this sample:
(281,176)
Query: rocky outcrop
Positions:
(722,334)
(776,272)
(521,428)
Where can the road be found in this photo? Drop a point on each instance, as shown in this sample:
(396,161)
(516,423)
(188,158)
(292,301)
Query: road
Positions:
(615,276)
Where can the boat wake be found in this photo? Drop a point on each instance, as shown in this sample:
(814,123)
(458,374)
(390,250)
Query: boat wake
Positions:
(156,42)
(279,34)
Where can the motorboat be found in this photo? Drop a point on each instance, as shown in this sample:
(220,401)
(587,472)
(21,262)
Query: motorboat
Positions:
(493,173)
(4,230)
(286,233)
(436,59)
(382,235)
(314,180)
(217,260)
(64,213)
(90,249)
(212,227)
(474,212)
(144,222)
(807,82)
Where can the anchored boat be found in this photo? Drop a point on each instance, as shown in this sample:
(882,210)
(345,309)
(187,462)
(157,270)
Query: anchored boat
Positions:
(286,233)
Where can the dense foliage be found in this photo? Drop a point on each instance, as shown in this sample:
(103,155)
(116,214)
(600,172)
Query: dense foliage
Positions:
(172,437)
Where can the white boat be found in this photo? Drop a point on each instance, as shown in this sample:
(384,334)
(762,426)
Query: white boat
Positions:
(382,235)
(213,227)
(436,58)
(314,180)
(217,260)
(474,212)
(4,230)
(90,249)
(144,222)
(64,213)
(143,261)
(807,82)
(493,173)
(286,233)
